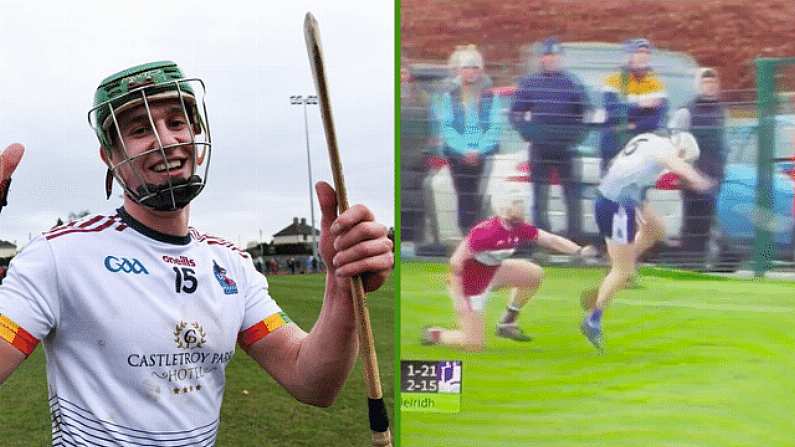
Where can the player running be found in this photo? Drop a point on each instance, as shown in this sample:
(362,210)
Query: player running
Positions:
(139,314)
(629,225)
(480,263)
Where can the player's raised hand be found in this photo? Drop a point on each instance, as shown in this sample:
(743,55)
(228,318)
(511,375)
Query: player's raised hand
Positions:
(9,160)
(353,243)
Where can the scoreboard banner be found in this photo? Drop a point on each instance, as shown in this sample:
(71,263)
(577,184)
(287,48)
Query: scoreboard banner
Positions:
(432,386)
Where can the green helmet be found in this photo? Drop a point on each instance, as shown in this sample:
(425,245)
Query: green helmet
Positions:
(141,86)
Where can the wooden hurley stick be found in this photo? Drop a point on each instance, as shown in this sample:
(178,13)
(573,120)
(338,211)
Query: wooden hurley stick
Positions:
(379,421)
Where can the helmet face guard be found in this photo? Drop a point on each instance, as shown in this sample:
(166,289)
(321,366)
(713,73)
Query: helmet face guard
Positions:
(141,87)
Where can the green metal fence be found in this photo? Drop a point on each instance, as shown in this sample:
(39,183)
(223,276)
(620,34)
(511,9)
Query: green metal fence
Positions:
(774,83)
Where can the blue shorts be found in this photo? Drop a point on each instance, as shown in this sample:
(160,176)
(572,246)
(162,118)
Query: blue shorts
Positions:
(616,221)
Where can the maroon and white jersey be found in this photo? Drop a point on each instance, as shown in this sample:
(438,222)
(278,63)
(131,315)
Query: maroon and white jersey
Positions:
(137,326)
(491,242)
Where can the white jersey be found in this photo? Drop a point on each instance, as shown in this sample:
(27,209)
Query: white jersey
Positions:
(137,327)
(636,167)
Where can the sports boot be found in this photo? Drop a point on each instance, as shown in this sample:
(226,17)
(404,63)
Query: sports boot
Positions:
(512,331)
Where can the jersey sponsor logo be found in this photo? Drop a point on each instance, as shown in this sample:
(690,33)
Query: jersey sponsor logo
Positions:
(184,369)
(509,241)
(182,260)
(134,266)
(189,336)
(228,284)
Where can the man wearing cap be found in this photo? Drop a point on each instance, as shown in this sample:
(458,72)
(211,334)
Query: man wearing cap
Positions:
(470,123)
(547,110)
(634,99)
(704,117)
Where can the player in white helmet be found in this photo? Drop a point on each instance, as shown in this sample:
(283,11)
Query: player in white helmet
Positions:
(628,224)
(481,263)
(139,314)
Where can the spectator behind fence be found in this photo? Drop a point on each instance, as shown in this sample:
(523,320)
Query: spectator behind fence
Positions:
(414,136)
(704,117)
(635,101)
(547,110)
(470,125)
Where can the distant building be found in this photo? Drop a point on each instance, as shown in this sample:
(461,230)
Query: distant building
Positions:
(292,243)
(296,233)
(293,240)
(7,249)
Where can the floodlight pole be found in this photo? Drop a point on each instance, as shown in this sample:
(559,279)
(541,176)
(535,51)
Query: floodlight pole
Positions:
(308,100)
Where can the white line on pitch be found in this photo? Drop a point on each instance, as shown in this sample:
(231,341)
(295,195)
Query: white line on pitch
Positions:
(687,305)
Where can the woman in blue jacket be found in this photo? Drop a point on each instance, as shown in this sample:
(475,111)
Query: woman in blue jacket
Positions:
(469,116)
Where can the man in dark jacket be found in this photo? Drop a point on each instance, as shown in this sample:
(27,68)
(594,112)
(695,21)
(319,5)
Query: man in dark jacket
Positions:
(704,117)
(547,110)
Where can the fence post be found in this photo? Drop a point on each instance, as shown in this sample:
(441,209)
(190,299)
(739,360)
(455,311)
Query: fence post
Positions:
(766,111)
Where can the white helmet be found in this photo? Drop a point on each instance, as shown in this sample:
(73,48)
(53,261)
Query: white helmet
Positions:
(505,201)
(686,142)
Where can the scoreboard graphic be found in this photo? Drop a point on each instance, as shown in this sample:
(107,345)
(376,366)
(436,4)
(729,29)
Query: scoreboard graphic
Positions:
(432,386)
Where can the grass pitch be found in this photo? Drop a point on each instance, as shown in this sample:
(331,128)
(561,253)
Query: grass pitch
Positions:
(263,416)
(690,361)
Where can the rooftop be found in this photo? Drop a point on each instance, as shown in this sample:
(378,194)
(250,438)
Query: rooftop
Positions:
(297,228)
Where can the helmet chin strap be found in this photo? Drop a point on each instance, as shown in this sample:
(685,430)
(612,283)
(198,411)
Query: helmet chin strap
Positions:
(108,184)
(159,197)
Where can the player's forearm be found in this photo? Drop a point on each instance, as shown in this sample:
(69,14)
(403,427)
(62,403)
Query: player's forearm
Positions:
(10,359)
(327,354)
(559,244)
(682,169)
(459,257)
(456,286)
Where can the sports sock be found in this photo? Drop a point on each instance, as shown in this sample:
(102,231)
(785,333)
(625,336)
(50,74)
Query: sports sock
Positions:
(595,319)
(436,335)
(449,337)
(510,315)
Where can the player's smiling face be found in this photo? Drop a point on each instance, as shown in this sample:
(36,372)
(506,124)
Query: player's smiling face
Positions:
(173,130)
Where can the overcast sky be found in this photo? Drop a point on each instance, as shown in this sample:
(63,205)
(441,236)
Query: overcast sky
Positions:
(252,58)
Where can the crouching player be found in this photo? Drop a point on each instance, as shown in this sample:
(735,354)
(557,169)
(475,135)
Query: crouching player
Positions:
(628,226)
(480,263)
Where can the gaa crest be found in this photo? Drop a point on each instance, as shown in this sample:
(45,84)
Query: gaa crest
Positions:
(189,336)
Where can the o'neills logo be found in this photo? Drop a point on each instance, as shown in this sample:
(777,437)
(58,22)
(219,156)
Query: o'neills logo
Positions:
(182,260)
(189,336)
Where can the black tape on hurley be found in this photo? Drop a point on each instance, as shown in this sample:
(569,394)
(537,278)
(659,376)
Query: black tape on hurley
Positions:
(379,421)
